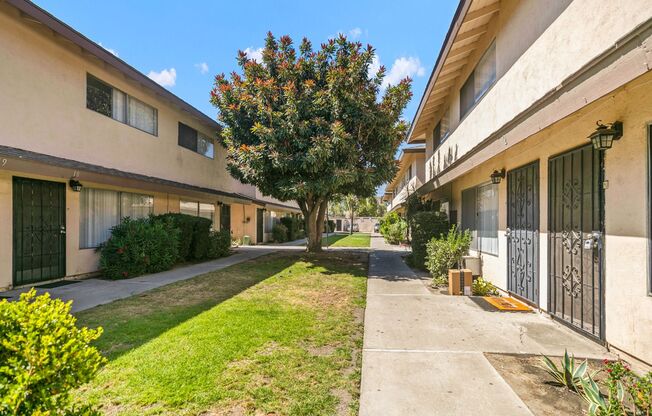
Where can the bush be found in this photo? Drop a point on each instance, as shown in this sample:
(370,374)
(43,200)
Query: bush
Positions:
(219,244)
(139,246)
(193,235)
(293,226)
(444,253)
(393,228)
(279,233)
(44,356)
(425,226)
(481,287)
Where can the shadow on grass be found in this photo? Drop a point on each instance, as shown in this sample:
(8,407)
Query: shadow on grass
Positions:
(131,322)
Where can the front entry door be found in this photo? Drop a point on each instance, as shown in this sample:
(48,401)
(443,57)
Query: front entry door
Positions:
(576,229)
(39,230)
(523,232)
(260,218)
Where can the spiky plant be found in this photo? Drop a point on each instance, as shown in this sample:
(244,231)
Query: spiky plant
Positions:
(568,374)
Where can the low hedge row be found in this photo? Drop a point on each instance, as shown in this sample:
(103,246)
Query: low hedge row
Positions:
(157,243)
(425,226)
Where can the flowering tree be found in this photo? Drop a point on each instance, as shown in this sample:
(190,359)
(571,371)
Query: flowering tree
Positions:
(308,125)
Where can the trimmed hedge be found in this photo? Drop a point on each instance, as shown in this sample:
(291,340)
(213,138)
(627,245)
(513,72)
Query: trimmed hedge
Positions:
(138,247)
(393,228)
(280,233)
(194,235)
(426,225)
(293,226)
(219,244)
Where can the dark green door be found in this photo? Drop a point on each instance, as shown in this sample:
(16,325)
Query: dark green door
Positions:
(260,219)
(39,230)
(225,217)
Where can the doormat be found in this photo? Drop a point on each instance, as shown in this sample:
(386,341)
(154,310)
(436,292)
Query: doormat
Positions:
(57,284)
(507,304)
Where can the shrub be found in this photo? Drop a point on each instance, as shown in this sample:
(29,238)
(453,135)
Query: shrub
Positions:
(393,228)
(568,374)
(44,356)
(293,226)
(193,235)
(139,246)
(481,287)
(444,253)
(425,226)
(279,233)
(219,244)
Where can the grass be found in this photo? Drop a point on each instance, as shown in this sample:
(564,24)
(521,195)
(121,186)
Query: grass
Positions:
(279,335)
(347,240)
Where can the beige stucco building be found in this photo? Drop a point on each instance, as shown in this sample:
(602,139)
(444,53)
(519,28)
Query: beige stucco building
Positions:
(409,178)
(72,113)
(517,89)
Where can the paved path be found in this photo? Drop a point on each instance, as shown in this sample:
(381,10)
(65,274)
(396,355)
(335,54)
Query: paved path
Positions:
(423,351)
(88,293)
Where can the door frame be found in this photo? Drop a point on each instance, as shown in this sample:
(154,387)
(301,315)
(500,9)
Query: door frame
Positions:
(62,255)
(603,275)
(537,268)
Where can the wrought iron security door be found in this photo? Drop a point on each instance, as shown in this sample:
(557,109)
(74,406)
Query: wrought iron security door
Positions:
(575,239)
(523,231)
(39,230)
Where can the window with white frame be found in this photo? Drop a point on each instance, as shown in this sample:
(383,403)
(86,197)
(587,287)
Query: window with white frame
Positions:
(480,217)
(103,209)
(111,102)
(479,81)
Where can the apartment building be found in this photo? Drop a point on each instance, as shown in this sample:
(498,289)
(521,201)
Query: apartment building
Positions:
(536,122)
(85,140)
(408,179)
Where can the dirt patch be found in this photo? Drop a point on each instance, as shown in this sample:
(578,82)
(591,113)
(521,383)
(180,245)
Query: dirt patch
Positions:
(527,377)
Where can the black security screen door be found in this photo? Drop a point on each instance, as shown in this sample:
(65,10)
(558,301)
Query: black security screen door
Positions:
(523,232)
(576,239)
(39,231)
(225,217)
(260,218)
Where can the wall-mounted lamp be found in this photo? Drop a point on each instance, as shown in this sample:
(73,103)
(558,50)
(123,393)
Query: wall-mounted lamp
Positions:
(264,209)
(497,176)
(75,185)
(220,203)
(603,137)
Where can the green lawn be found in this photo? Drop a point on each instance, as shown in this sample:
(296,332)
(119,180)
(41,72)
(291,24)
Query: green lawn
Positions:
(279,335)
(347,240)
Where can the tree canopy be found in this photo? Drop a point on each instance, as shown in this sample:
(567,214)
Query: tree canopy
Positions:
(306,125)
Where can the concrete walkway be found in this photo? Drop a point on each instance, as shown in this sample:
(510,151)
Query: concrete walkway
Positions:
(89,293)
(423,351)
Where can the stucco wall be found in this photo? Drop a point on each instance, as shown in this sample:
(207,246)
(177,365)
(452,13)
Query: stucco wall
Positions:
(628,307)
(556,53)
(43,109)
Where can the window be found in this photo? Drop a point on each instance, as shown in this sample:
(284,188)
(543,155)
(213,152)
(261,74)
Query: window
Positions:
(436,135)
(480,216)
(225,217)
(444,126)
(193,140)
(111,102)
(103,209)
(198,209)
(479,81)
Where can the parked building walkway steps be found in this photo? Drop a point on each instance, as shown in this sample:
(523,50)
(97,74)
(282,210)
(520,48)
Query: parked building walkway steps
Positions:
(423,351)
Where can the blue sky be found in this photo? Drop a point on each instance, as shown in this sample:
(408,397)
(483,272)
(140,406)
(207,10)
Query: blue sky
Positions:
(194,40)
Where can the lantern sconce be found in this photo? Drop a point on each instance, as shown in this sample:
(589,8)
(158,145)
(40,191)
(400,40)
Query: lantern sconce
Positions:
(497,176)
(75,185)
(220,203)
(604,136)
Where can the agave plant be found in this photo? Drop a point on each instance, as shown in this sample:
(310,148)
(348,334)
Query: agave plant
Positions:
(568,375)
(600,405)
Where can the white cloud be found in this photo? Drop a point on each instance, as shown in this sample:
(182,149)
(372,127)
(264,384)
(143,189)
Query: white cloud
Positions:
(166,77)
(203,67)
(404,67)
(255,54)
(355,33)
(109,49)
(374,66)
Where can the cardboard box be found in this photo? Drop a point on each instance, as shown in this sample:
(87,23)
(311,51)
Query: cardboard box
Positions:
(459,282)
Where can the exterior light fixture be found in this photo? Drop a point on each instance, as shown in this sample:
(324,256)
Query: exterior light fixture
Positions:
(497,176)
(603,137)
(75,185)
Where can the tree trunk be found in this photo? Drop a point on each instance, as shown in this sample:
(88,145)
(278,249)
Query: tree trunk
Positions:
(314,217)
(351,230)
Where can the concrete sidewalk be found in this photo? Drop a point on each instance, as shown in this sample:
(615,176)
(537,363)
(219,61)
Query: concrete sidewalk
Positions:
(89,293)
(423,352)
